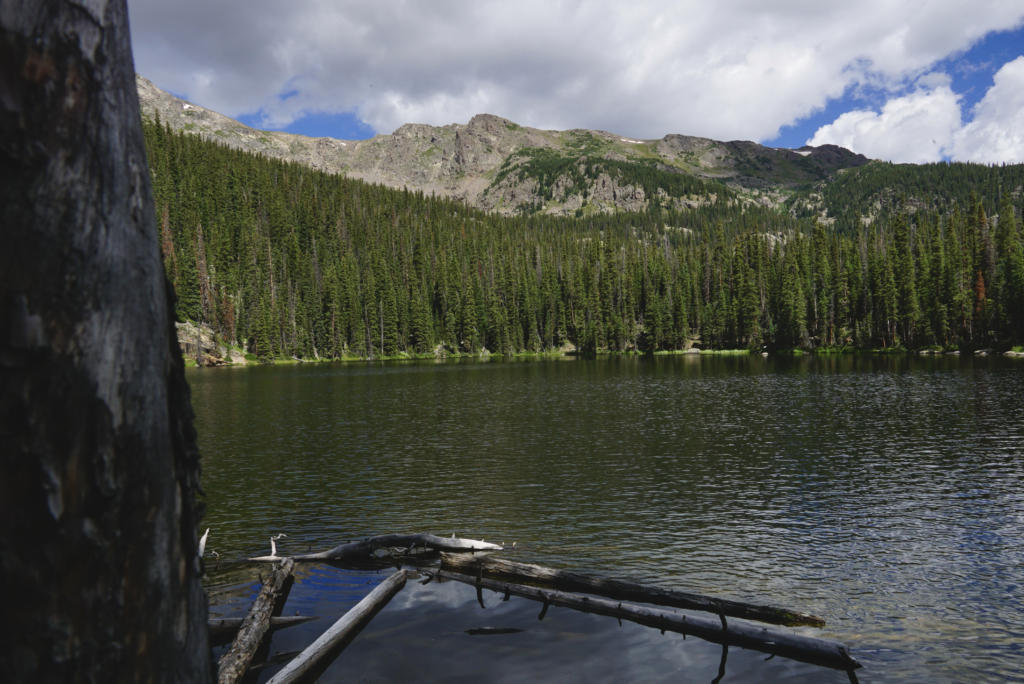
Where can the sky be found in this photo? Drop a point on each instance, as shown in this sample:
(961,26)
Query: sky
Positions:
(901,81)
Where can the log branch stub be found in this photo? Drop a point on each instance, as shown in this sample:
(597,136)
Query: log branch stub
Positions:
(224,630)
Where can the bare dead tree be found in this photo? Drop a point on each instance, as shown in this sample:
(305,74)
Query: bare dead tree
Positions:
(98,461)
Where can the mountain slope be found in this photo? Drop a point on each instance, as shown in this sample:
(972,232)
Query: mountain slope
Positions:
(496,165)
(291,262)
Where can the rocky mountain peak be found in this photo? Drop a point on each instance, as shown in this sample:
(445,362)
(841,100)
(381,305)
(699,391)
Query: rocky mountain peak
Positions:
(491,123)
(497,165)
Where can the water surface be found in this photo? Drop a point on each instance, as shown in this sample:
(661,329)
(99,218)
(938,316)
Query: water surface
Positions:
(883,493)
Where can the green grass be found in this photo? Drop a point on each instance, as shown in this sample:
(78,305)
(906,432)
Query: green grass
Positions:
(545,354)
(559,353)
(704,352)
(841,349)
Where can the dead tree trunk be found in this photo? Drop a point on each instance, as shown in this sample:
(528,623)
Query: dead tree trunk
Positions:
(235,662)
(98,462)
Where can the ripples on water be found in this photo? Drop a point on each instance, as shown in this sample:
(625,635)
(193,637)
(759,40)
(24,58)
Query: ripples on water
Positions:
(881,493)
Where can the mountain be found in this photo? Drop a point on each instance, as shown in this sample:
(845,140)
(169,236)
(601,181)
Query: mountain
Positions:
(496,165)
(286,261)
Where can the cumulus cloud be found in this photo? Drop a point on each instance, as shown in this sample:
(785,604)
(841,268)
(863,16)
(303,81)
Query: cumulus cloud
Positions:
(913,128)
(643,69)
(926,125)
(996,134)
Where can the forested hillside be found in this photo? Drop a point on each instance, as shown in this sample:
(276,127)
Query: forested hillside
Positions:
(288,261)
(882,190)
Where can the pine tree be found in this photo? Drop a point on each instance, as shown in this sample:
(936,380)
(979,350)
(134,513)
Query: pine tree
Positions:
(908,310)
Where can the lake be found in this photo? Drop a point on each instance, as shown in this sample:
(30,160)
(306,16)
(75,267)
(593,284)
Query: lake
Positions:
(884,493)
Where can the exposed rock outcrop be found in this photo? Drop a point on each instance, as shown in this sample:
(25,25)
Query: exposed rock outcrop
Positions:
(200,344)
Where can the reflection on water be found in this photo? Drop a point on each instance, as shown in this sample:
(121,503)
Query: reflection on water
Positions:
(883,493)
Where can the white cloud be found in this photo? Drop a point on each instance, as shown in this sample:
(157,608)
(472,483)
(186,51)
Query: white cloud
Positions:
(643,69)
(926,125)
(914,128)
(996,134)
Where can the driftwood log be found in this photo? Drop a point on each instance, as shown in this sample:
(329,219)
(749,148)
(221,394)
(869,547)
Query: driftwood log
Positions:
(235,662)
(329,644)
(735,633)
(224,630)
(623,591)
(363,550)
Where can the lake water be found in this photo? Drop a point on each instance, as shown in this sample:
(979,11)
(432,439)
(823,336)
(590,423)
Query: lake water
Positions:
(883,493)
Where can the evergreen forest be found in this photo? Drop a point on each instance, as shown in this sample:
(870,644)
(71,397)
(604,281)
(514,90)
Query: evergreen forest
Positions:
(286,261)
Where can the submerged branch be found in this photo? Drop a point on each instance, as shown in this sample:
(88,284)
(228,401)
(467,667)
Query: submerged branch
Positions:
(624,591)
(807,649)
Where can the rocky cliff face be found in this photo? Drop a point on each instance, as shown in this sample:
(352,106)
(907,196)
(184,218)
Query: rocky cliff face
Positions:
(497,165)
(199,344)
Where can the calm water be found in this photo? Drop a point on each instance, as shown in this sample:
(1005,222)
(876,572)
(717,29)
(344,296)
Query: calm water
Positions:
(884,494)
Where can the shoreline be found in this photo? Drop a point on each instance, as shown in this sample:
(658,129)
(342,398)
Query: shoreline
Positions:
(240,359)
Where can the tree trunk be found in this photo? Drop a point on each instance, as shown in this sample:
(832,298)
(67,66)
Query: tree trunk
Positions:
(98,462)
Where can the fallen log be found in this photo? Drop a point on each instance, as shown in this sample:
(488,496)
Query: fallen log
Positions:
(737,633)
(223,630)
(330,643)
(233,664)
(624,591)
(362,550)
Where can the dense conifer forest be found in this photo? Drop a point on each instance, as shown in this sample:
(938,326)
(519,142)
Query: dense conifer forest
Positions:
(290,262)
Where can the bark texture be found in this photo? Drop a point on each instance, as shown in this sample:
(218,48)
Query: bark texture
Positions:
(98,463)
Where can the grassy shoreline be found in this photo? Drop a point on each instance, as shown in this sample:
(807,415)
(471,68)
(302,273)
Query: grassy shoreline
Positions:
(252,360)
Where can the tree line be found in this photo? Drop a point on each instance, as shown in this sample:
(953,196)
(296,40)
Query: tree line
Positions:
(288,261)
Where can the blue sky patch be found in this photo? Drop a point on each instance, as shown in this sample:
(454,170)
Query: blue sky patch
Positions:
(970,71)
(344,126)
